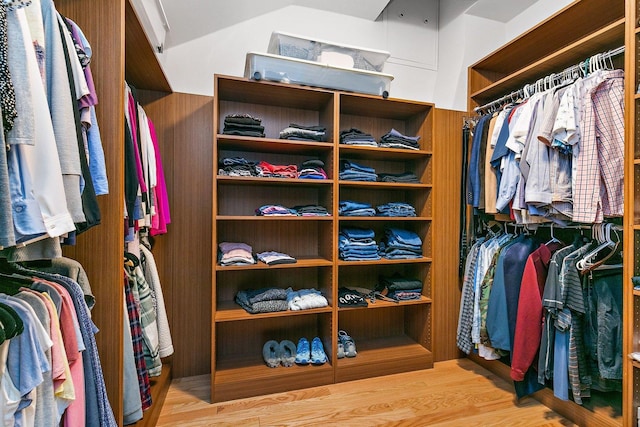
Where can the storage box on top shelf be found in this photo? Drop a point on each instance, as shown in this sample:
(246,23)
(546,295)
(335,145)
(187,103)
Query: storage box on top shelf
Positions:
(330,53)
(283,69)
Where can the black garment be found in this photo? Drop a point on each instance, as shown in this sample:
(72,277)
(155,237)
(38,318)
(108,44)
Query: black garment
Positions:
(462,256)
(7,93)
(350,298)
(398,177)
(131,182)
(355,135)
(89,201)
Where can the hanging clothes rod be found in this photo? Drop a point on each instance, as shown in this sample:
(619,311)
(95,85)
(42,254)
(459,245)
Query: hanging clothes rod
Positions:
(588,65)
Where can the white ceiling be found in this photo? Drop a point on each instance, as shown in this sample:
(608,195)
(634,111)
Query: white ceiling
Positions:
(190,19)
(499,10)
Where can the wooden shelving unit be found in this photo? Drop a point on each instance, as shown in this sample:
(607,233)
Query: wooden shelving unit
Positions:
(237,337)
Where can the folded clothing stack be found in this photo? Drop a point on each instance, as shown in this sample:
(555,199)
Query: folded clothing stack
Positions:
(394,139)
(400,244)
(304,133)
(267,170)
(235,254)
(275,210)
(236,166)
(350,208)
(351,171)
(244,125)
(396,209)
(312,169)
(357,244)
(311,210)
(275,258)
(408,177)
(305,299)
(400,288)
(355,136)
(265,300)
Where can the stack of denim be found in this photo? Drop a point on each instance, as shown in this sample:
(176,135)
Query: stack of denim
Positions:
(351,171)
(355,136)
(398,177)
(237,166)
(357,244)
(311,210)
(312,169)
(394,139)
(349,208)
(275,210)
(244,125)
(396,209)
(304,133)
(400,244)
(400,288)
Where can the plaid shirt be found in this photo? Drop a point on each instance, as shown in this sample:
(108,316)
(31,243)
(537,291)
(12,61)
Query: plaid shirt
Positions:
(598,190)
(138,352)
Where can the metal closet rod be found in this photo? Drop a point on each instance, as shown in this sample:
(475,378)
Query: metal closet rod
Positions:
(542,83)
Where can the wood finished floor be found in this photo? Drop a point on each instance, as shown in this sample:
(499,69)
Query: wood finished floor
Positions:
(453,393)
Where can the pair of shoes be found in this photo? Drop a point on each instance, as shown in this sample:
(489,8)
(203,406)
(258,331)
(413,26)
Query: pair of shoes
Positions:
(314,355)
(275,353)
(346,345)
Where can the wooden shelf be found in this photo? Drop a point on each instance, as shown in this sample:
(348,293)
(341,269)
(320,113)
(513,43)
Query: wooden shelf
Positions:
(229,311)
(301,263)
(391,108)
(384,261)
(251,377)
(386,304)
(386,218)
(253,180)
(270,145)
(609,37)
(383,153)
(384,185)
(385,356)
(636,293)
(272,218)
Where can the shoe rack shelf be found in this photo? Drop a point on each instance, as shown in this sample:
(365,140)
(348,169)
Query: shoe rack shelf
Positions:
(389,337)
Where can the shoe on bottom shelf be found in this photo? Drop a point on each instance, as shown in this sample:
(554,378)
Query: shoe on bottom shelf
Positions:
(318,356)
(348,344)
(271,353)
(303,353)
(288,353)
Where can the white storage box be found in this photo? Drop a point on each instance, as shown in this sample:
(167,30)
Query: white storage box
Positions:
(278,68)
(329,53)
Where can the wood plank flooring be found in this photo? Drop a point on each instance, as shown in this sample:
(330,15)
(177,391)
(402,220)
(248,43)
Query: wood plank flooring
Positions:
(453,393)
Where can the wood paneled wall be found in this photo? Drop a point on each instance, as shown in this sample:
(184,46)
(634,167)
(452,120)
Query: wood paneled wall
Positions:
(99,250)
(447,170)
(184,126)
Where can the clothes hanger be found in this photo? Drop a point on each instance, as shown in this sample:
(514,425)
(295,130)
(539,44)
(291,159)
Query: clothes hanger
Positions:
(553,237)
(602,234)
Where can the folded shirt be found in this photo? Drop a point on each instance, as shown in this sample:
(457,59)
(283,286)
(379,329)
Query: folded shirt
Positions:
(274,258)
(350,298)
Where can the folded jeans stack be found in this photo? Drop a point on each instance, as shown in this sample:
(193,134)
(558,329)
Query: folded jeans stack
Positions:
(304,133)
(350,208)
(351,171)
(243,125)
(357,244)
(394,139)
(355,136)
(400,244)
(393,209)
(265,300)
